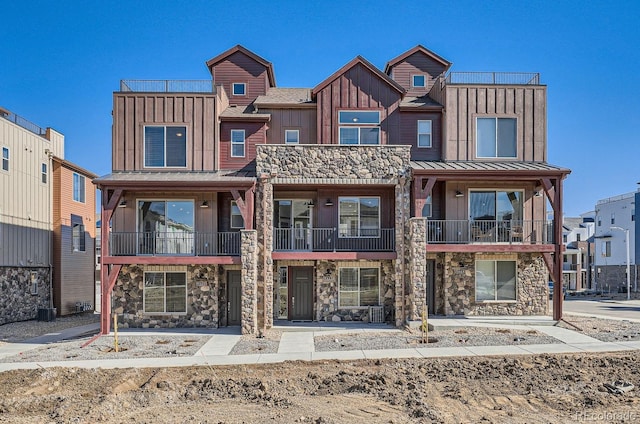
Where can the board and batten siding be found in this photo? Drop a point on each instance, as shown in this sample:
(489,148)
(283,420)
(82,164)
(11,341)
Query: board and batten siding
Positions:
(131,112)
(417,64)
(409,134)
(357,88)
(465,103)
(73,276)
(240,68)
(303,120)
(25,201)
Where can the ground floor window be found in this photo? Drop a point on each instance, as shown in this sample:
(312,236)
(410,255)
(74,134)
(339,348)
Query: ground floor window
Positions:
(359,287)
(496,280)
(165,292)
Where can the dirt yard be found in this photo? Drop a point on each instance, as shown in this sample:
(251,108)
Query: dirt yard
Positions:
(531,389)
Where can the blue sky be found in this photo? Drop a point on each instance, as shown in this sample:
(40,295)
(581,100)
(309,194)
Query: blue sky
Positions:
(61,62)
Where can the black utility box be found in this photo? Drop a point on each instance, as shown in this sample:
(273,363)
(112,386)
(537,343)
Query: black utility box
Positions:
(46,314)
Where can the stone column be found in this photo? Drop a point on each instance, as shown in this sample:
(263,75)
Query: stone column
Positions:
(417,264)
(249,258)
(402,214)
(264,226)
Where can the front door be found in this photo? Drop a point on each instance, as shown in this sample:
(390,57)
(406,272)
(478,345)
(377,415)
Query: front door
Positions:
(234,296)
(301,294)
(431,286)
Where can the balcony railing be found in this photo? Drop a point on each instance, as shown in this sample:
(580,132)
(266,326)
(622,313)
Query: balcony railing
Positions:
(494,78)
(168,86)
(489,231)
(174,244)
(22,122)
(332,240)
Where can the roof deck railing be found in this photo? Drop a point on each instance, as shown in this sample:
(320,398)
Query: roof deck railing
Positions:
(493,78)
(22,122)
(167,86)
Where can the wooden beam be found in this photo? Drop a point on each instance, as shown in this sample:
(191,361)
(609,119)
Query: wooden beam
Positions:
(422,187)
(244,210)
(548,261)
(107,283)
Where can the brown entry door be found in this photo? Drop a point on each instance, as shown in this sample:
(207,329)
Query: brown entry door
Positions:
(234,296)
(301,294)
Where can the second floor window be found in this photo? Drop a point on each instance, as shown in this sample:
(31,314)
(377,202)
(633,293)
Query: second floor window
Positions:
(165,147)
(418,81)
(427,209)
(44,173)
(496,138)
(359,127)
(606,249)
(237,221)
(237,143)
(291,136)
(5,158)
(239,89)
(359,216)
(613,218)
(424,133)
(78,188)
(495,205)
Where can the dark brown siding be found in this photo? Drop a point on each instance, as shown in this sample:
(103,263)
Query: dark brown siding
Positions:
(303,120)
(327,216)
(254,133)
(409,134)
(131,112)
(358,88)
(241,68)
(417,64)
(466,103)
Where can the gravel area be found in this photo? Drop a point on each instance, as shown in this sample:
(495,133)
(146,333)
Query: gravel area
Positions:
(249,345)
(472,336)
(104,348)
(19,331)
(606,330)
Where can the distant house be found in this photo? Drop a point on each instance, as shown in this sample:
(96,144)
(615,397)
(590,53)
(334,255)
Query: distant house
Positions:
(36,207)
(577,236)
(373,196)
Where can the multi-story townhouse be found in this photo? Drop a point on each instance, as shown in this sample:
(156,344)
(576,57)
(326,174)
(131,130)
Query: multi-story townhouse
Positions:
(369,197)
(577,236)
(615,232)
(46,232)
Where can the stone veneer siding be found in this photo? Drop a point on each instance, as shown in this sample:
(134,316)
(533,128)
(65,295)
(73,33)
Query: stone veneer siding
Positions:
(417,264)
(203,284)
(249,282)
(16,301)
(459,286)
(264,226)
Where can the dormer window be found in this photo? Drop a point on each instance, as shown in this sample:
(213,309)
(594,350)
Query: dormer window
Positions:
(239,89)
(418,81)
(359,127)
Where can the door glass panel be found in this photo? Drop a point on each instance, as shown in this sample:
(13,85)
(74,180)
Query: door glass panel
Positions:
(482,205)
(282,309)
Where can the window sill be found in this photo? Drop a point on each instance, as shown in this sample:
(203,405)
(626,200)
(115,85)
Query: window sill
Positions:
(497,301)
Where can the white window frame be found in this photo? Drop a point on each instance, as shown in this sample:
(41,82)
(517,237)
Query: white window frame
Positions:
(164,165)
(78,241)
(430,133)
(496,120)
(495,282)
(164,312)
(413,80)
(358,199)
(606,249)
(79,193)
(286,133)
(359,306)
(44,170)
(232,214)
(239,84)
(5,159)
(243,143)
(358,126)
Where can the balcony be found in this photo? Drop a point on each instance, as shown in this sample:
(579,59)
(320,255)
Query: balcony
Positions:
(174,244)
(489,231)
(493,78)
(167,86)
(331,240)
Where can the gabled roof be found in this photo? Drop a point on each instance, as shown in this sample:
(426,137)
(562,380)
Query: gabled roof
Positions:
(419,103)
(358,60)
(238,48)
(72,166)
(416,49)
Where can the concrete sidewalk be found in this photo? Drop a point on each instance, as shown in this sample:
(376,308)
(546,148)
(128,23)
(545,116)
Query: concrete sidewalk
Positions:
(297,343)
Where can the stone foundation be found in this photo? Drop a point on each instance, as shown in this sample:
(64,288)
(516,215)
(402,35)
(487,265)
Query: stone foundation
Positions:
(459,286)
(203,285)
(17,302)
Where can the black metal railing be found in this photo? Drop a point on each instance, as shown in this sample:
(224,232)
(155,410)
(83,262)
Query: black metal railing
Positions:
(22,122)
(489,231)
(174,244)
(493,78)
(333,240)
(168,86)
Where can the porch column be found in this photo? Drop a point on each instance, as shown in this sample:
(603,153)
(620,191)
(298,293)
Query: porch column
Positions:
(417,264)
(402,214)
(109,203)
(264,214)
(249,274)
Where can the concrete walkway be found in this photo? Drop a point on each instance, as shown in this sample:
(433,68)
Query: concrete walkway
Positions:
(297,343)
